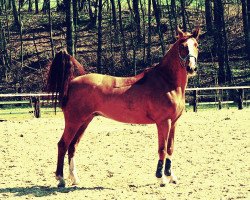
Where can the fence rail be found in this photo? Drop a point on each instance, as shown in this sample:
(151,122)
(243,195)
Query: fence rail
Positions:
(243,94)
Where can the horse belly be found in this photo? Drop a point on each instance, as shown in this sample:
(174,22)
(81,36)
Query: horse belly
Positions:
(125,114)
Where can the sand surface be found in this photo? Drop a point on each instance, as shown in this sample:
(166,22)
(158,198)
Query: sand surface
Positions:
(118,161)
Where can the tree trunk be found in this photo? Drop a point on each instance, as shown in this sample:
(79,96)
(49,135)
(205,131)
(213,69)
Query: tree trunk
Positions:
(208,14)
(36,6)
(70,27)
(246,25)
(99,49)
(45,6)
(170,20)
(149,59)
(75,19)
(248,28)
(124,49)
(137,19)
(183,10)
(224,71)
(158,23)
(142,5)
(114,21)
(173,13)
(15,14)
(51,31)
(30,5)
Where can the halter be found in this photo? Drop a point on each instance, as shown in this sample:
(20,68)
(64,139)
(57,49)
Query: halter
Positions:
(184,59)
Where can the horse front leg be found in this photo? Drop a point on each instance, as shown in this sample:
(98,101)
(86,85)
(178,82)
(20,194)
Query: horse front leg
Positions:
(71,152)
(163,134)
(171,178)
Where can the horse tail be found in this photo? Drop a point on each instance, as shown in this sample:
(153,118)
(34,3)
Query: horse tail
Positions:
(62,71)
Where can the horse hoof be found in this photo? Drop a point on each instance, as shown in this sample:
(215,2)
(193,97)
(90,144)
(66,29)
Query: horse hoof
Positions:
(76,182)
(163,181)
(61,185)
(74,179)
(172,179)
(162,185)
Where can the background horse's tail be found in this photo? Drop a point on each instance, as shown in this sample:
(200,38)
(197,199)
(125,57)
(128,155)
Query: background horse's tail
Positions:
(62,70)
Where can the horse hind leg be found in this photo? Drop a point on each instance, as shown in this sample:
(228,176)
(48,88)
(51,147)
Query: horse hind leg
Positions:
(71,152)
(63,145)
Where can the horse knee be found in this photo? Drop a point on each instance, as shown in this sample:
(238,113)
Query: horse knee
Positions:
(162,153)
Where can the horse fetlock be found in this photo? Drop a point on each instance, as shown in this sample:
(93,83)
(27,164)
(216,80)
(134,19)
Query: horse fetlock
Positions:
(172,179)
(162,181)
(74,179)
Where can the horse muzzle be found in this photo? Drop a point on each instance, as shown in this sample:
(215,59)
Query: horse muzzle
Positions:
(192,65)
(191,70)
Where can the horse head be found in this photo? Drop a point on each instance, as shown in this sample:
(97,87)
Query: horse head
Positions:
(188,50)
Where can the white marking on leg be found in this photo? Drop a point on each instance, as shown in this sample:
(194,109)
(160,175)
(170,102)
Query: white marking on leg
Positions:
(72,172)
(169,156)
(172,178)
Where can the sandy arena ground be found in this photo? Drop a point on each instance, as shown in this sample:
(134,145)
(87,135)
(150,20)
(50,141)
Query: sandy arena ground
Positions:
(118,161)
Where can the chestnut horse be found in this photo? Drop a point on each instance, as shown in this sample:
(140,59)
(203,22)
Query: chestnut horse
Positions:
(156,96)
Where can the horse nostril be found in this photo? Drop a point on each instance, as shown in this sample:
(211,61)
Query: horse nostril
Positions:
(195,69)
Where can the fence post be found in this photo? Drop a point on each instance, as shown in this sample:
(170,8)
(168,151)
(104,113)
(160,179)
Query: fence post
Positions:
(195,100)
(220,93)
(37,110)
(240,99)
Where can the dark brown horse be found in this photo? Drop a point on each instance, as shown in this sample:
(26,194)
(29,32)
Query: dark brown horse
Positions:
(157,96)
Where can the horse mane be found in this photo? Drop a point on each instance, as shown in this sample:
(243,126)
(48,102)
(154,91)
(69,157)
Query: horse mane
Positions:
(63,69)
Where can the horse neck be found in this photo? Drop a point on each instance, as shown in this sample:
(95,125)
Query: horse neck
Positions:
(172,70)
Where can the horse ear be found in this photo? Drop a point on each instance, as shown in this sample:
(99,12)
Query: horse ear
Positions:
(196,33)
(179,32)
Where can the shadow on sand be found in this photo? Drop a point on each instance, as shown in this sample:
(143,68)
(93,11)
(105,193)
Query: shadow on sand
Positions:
(41,191)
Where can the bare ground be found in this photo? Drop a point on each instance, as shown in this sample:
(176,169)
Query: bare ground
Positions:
(118,161)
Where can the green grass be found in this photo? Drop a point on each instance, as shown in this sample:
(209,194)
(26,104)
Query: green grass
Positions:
(25,112)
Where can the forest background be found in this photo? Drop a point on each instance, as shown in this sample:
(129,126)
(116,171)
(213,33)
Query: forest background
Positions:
(121,38)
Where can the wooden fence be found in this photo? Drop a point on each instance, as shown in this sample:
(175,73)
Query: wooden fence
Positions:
(194,97)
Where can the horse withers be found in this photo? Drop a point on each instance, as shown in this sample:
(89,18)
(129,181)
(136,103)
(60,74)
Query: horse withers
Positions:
(162,88)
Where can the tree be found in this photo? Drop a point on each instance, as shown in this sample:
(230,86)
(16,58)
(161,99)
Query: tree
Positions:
(99,48)
(158,23)
(183,11)
(208,14)
(51,31)
(124,48)
(173,13)
(137,19)
(220,38)
(30,5)
(114,21)
(246,24)
(149,34)
(70,27)
(15,14)
(36,6)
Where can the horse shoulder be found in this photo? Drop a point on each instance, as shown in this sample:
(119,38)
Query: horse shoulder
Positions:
(176,99)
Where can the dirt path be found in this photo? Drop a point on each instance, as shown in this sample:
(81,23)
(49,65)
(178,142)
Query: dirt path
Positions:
(118,161)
